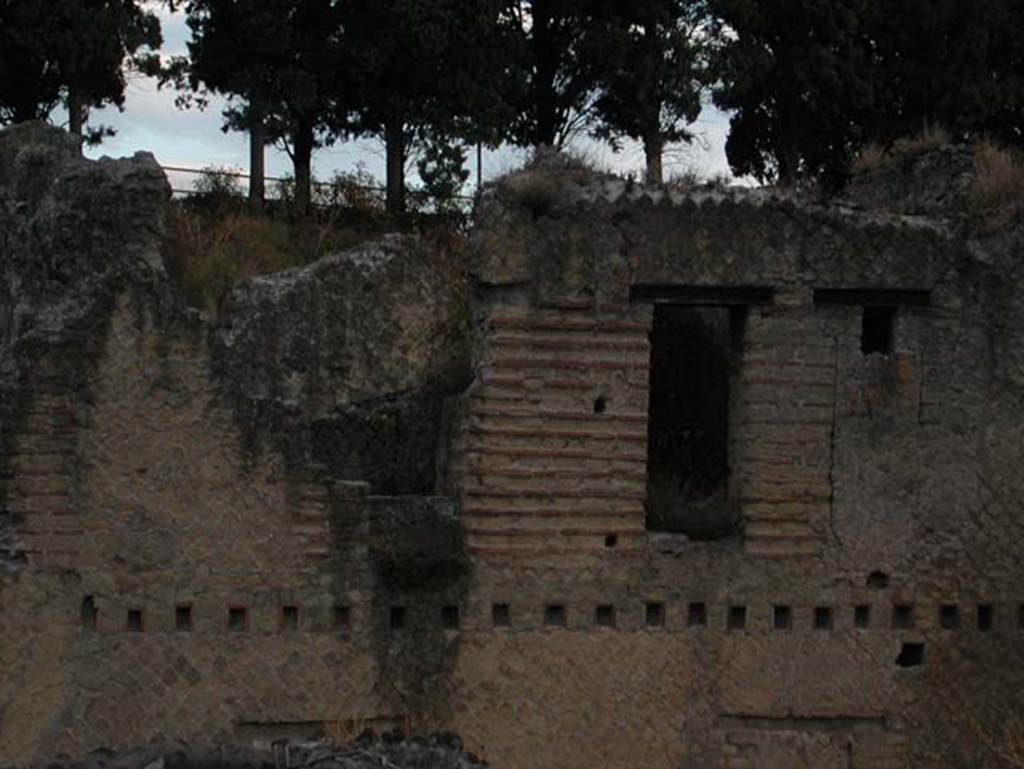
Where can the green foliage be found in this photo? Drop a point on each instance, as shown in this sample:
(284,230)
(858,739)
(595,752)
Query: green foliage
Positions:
(279,62)
(651,64)
(427,66)
(69,50)
(955,64)
(442,169)
(219,186)
(549,52)
(800,80)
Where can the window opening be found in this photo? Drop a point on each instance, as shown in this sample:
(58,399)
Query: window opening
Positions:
(877,325)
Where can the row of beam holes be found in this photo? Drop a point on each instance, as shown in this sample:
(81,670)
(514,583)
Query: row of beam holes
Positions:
(555,615)
(184,618)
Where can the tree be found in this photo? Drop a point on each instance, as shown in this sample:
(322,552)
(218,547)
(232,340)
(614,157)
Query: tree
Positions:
(560,81)
(279,62)
(73,51)
(801,79)
(951,64)
(650,64)
(437,68)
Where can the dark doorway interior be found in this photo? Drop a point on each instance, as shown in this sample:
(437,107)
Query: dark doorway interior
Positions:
(693,350)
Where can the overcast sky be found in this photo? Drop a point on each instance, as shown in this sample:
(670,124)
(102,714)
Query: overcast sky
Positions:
(193,139)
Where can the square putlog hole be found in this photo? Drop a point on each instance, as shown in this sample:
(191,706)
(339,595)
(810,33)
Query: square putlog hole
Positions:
(737,618)
(554,615)
(986,617)
(501,615)
(91,615)
(902,617)
(604,616)
(450,617)
(183,619)
(343,618)
(783,618)
(238,619)
(822,618)
(133,621)
(697,614)
(654,614)
(290,619)
(911,655)
(396,618)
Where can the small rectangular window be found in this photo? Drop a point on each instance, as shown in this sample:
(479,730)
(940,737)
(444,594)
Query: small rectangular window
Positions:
(654,614)
(697,615)
(877,324)
(862,616)
(183,618)
(949,616)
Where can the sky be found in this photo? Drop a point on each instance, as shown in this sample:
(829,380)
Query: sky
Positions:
(193,139)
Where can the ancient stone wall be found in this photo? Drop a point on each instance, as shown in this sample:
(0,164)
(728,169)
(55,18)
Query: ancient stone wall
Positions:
(355,500)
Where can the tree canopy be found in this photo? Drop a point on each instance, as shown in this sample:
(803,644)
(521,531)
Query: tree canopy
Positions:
(280,64)
(650,63)
(70,51)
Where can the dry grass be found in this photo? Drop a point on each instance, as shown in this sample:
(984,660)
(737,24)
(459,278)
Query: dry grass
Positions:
(212,245)
(999,178)
(876,155)
(539,185)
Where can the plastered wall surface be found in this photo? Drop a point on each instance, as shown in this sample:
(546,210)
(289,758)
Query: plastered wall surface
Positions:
(186,561)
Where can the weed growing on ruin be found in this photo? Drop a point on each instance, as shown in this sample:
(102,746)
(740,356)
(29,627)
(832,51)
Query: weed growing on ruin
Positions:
(999,178)
(876,155)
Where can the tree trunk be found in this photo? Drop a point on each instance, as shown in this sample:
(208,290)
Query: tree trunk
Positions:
(654,146)
(76,114)
(545,57)
(394,141)
(302,161)
(257,156)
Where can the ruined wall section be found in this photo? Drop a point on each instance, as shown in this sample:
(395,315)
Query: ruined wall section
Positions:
(191,548)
